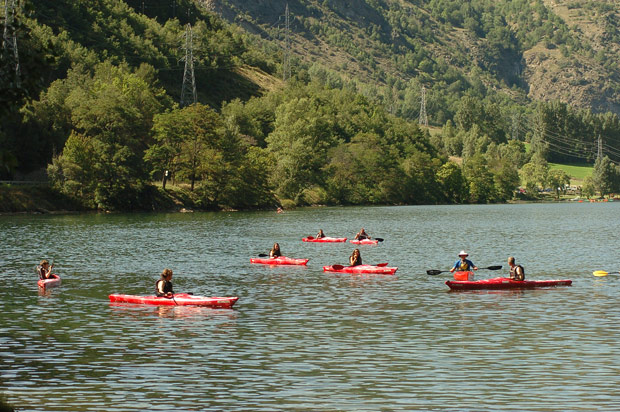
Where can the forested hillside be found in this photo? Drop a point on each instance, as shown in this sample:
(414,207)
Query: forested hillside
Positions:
(542,50)
(247,106)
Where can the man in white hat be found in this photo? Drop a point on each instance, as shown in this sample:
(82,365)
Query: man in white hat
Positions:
(463,264)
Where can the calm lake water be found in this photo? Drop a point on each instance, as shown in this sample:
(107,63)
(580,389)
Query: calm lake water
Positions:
(301,339)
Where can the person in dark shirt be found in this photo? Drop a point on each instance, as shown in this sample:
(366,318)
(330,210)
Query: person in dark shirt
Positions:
(361,235)
(355,259)
(163,287)
(275,252)
(44,269)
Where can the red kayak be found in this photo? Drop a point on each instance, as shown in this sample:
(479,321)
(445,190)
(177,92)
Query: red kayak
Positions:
(381,270)
(324,239)
(364,241)
(505,283)
(51,282)
(282,260)
(180,299)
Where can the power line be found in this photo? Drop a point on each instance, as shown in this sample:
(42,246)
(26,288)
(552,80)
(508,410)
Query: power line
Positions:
(423,120)
(286,63)
(516,118)
(188,90)
(9,38)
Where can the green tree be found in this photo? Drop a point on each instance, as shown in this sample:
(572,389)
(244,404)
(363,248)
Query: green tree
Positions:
(588,188)
(299,143)
(481,180)
(453,183)
(557,179)
(534,175)
(604,176)
(419,185)
(75,172)
(111,116)
(365,171)
(506,181)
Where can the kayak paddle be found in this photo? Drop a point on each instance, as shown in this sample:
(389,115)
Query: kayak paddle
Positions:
(434,272)
(263,255)
(602,273)
(310,237)
(379,239)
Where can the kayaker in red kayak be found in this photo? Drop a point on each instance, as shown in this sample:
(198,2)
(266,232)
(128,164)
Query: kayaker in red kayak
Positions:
(361,235)
(463,264)
(275,252)
(355,259)
(320,235)
(44,270)
(516,271)
(163,287)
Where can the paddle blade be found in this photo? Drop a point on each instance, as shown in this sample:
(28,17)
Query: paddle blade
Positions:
(600,273)
(434,272)
(310,237)
(382,264)
(379,239)
(262,255)
(337,267)
(497,267)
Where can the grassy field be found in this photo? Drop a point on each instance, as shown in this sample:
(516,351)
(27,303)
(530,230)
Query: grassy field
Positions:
(577,172)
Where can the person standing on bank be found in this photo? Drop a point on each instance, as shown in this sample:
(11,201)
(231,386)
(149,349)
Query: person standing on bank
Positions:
(163,287)
(516,271)
(463,264)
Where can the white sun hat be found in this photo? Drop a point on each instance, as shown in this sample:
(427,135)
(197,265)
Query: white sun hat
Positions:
(463,253)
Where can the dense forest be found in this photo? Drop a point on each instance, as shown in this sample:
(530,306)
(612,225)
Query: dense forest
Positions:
(131,105)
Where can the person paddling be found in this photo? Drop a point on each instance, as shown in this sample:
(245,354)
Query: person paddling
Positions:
(516,271)
(463,264)
(355,259)
(163,287)
(275,252)
(44,270)
(320,235)
(361,235)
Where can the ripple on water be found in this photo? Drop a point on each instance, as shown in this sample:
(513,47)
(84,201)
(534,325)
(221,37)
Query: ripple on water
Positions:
(302,339)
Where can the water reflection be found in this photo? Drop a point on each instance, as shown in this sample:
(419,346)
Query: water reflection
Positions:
(171,312)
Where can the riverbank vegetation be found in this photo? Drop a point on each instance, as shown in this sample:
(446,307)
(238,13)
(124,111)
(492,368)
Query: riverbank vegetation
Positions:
(96,105)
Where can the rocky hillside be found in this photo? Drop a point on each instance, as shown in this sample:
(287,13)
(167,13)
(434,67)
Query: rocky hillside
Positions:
(587,78)
(533,49)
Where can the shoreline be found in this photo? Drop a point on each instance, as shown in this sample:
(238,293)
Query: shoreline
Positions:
(43,199)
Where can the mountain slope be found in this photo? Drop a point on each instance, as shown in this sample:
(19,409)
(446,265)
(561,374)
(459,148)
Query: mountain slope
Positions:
(533,49)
